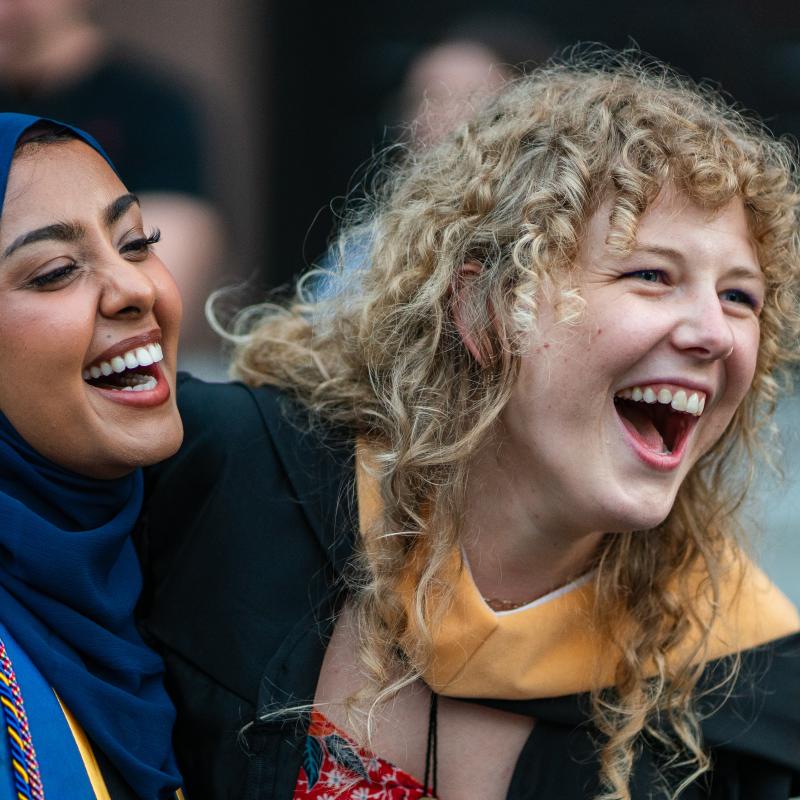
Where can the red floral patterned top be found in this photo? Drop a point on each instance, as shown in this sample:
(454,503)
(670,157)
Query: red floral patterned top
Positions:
(335,768)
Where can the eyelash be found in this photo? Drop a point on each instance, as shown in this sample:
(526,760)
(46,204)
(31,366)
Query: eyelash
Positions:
(143,244)
(137,246)
(53,277)
(748,299)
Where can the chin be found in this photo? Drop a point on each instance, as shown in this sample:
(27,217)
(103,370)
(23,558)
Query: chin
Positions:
(125,456)
(159,448)
(639,514)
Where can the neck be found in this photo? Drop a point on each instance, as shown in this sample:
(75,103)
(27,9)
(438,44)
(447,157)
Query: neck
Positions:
(519,542)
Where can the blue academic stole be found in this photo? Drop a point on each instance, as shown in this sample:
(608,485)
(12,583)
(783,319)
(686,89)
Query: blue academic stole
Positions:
(61,767)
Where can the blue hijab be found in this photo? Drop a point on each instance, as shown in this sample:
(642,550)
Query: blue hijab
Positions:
(69,581)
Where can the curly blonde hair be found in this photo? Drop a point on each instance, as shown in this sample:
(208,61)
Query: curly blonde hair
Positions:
(378,352)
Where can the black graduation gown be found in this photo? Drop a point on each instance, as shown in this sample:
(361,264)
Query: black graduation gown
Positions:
(246,532)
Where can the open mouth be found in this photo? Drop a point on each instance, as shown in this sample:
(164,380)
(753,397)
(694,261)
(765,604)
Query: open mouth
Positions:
(659,417)
(136,370)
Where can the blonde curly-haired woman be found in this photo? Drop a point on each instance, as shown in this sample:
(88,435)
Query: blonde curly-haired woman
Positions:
(467,528)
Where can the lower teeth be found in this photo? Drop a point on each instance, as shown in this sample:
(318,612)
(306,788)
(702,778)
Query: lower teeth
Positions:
(149,384)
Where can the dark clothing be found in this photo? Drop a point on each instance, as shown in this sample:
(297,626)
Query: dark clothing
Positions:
(147,124)
(248,529)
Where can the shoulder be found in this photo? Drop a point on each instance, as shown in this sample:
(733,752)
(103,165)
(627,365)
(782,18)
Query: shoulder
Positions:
(752,610)
(240,530)
(749,695)
(225,413)
(255,487)
(220,421)
(230,426)
(753,723)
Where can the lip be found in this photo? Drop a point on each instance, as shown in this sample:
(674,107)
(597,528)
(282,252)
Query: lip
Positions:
(144,399)
(131,343)
(661,462)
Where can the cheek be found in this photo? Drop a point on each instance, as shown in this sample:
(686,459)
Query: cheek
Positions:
(168,307)
(741,366)
(739,371)
(43,344)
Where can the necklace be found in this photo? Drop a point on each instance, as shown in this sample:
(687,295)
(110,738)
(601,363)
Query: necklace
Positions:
(496,604)
(431,752)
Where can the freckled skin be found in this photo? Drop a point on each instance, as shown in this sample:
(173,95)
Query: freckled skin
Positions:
(47,336)
(562,463)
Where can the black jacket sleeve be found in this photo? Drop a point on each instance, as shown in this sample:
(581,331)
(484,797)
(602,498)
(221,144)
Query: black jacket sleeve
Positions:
(234,562)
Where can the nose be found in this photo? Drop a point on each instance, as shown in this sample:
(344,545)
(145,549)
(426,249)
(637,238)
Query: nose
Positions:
(703,329)
(128,292)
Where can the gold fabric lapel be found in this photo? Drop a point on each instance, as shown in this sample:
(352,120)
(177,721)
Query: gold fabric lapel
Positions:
(550,648)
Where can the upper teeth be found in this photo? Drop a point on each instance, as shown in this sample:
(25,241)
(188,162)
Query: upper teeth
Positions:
(138,357)
(679,399)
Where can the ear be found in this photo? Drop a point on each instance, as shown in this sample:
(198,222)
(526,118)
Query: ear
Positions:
(462,286)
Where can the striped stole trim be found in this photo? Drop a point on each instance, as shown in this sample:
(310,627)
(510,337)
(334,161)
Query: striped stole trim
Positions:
(27,779)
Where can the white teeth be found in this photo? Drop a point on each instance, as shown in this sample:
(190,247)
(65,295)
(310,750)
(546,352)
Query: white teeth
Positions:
(146,386)
(118,364)
(679,400)
(693,403)
(138,357)
(143,357)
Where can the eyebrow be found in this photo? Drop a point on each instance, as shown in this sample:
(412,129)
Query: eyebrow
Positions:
(71,231)
(119,207)
(658,250)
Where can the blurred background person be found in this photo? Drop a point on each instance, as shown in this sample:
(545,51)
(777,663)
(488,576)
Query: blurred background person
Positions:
(57,61)
(470,62)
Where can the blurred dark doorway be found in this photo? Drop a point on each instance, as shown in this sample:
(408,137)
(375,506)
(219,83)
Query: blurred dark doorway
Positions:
(335,69)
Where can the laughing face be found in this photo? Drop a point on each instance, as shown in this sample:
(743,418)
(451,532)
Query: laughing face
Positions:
(608,416)
(89,317)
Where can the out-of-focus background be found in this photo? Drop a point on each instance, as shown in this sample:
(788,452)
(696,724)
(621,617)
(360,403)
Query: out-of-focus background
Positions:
(241,124)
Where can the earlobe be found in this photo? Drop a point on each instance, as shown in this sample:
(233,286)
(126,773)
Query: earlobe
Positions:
(462,285)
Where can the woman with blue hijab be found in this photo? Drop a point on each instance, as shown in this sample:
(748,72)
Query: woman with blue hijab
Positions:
(89,320)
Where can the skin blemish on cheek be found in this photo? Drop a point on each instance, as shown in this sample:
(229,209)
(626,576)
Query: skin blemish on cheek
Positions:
(546,345)
(599,331)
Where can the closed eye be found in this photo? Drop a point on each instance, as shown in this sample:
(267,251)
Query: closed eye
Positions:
(55,278)
(648,275)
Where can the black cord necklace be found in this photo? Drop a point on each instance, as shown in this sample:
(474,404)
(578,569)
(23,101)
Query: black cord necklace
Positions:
(431,750)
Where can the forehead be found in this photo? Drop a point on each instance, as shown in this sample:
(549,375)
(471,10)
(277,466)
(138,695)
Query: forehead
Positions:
(56,181)
(674,222)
